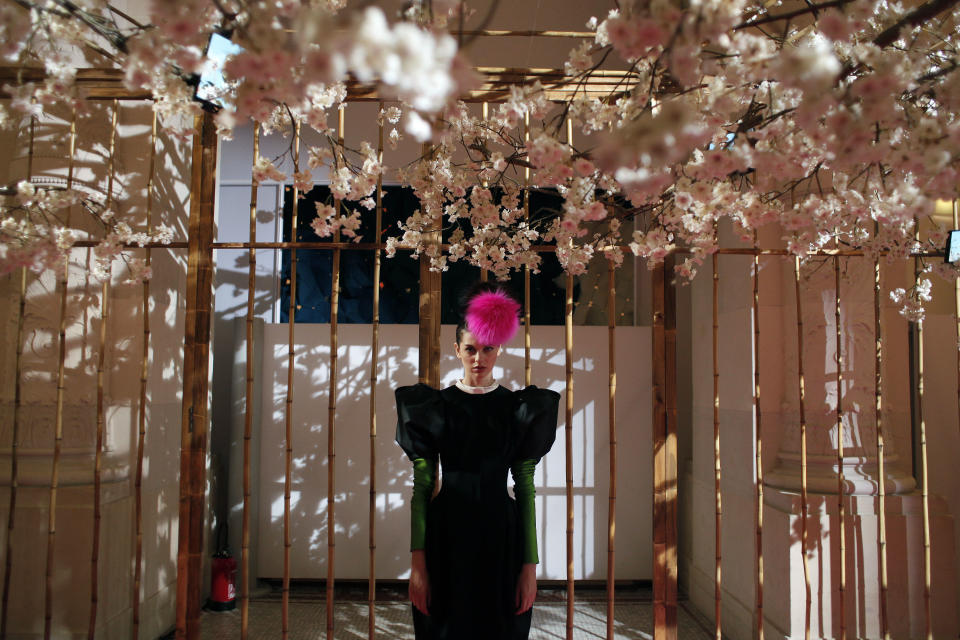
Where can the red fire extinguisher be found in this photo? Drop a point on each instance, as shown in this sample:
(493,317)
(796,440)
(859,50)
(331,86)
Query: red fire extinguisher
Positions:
(223,592)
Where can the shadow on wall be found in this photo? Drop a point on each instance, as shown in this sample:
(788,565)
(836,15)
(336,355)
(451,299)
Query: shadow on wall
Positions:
(397,365)
(123,362)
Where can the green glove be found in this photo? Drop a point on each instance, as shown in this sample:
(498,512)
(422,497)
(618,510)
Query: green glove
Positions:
(524,492)
(423,482)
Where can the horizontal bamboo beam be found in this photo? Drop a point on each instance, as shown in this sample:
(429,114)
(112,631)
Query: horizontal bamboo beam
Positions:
(107,84)
(543,33)
(539,248)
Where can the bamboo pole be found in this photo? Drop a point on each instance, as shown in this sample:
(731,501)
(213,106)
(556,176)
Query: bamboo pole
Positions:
(841,484)
(14,449)
(612,400)
(428,337)
(288,413)
(568,430)
(194,418)
(568,441)
(11,514)
(101,415)
(541,33)
(58,420)
(538,248)
(802,394)
(248,403)
(664,405)
(374,357)
(332,399)
(718,503)
(527,364)
(758,443)
(925,492)
(956,310)
(142,413)
(881,471)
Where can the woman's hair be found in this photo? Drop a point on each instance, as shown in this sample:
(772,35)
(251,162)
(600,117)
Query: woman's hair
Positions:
(474,290)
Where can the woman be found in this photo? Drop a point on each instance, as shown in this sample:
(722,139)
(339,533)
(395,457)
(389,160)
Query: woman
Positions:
(473,548)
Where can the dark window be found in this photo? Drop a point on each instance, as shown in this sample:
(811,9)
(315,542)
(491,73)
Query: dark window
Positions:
(399,276)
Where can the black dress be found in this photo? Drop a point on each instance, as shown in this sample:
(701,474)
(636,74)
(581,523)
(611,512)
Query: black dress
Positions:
(474,540)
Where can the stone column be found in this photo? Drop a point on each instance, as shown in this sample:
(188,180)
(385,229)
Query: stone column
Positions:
(859,426)
(786,603)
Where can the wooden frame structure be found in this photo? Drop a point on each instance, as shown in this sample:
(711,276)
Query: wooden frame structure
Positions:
(195,417)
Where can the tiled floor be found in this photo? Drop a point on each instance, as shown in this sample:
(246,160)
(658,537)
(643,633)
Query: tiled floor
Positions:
(633,615)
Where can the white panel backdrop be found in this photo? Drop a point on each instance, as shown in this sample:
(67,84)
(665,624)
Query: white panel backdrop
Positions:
(398,366)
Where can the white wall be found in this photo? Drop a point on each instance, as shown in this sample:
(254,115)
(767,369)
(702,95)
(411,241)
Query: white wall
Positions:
(398,366)
(74,513)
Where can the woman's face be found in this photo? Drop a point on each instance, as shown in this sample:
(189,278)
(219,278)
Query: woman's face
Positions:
(477,359)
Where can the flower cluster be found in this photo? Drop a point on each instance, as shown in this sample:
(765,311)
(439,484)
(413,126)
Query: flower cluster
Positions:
(840,128)
(34,233)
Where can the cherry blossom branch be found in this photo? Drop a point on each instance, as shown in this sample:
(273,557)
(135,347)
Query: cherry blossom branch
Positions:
(916,17)
(810,8)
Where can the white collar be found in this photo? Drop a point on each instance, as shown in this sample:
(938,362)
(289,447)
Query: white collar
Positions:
(467,388)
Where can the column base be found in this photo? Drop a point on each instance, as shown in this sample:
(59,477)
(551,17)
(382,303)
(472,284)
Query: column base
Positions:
(859,474)
(785,589)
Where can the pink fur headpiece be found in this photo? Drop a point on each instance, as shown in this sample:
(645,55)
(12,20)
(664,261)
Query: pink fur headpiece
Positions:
(492,317)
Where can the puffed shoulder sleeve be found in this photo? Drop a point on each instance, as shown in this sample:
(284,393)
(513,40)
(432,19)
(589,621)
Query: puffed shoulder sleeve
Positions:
(536,420)
(419,421)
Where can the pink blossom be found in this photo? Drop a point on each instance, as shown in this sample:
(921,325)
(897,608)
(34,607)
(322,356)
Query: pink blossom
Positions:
(583,166)
(595,211)
(834,25)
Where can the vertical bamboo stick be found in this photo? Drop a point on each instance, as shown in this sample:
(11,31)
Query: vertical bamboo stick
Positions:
(568,335)
(485,114)
(248,401)
(758,435)
(612,400)
(11,514)
(194,419)
(718,516)
(881,471)
(101,410)
(664,405)
(374,353)
(956,310)
(288,414)
(142,412)
(527,368)
(332,400)
(14,449)
(841,484)
(58,420)
(568,433)
(925,493)
(802,394)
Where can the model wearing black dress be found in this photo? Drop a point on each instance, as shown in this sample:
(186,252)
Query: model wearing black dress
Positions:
(476,541)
